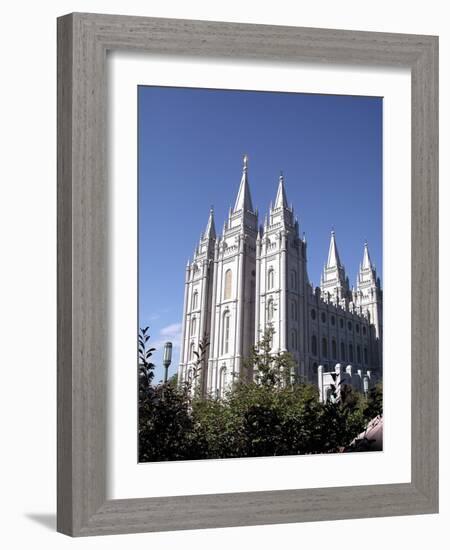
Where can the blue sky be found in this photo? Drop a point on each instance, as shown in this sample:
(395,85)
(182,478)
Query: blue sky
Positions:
(191,143)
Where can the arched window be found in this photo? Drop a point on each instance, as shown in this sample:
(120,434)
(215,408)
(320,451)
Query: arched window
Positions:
(350,352)
(294,339)
(314,344)
(333,320)
(191,352)
(226,333)
(364,331)
(227,288)
(270,276)
(342,351)
(293,279)
(357,329)
(350,326)
(341,323)
(193,326)
(324,347)
(366,356)
(313,314)
(315,367)
(358,353)
(333,349)
(294,310)
(323,317)
(194,300)
(270,310)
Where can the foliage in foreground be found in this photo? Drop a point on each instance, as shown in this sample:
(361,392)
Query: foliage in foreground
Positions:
(273,416)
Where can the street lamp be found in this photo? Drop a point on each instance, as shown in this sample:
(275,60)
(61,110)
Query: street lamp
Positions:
(366,385)
(167,359)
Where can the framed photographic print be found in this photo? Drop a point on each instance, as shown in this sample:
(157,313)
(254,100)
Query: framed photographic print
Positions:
(247,274)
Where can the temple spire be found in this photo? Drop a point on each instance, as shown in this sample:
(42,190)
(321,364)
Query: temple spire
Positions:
(210,231)
(334,280)
(367,262)
(281,200)
(333,254)
(243,199)
(367,273)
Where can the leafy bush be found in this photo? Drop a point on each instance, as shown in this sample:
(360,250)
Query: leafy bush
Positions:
(273,415)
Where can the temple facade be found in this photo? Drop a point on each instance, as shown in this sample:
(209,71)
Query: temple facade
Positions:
(252,277)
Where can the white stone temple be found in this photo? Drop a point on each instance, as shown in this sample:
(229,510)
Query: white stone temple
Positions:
(252,277)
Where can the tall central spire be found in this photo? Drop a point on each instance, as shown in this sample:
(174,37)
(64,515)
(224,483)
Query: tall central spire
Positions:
(333,254)
(281,200)
(210,231)
(334,281)
(280,213)
(366,263)
(243,199)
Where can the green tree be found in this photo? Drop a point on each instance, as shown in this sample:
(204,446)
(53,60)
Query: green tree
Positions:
(165,425)
(165,422)
(145,366)
(268,368)
(374,406)
(266,413)
(199,368)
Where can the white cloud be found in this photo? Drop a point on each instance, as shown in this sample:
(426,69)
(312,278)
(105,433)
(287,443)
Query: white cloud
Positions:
(170,333)
(171,330)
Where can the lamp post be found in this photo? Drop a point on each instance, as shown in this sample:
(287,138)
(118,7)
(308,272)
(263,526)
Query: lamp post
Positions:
(366,385)
(167,359)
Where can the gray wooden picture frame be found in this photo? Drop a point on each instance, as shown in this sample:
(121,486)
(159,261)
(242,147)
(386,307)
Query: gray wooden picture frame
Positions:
(83,41)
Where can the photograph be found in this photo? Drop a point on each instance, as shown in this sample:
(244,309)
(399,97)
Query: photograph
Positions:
(224,222)
(260,249)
